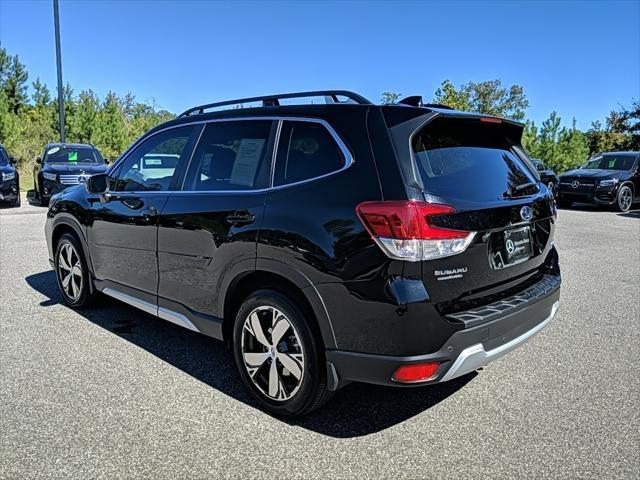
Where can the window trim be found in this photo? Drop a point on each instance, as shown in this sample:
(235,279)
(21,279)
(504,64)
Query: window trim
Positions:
(349,160)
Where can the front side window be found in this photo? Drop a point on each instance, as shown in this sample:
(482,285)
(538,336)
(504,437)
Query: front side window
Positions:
(154,164)
(306,150)
(4,158)
(231,156)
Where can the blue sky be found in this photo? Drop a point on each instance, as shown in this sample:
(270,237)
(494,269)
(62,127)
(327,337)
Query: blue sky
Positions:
(581,59)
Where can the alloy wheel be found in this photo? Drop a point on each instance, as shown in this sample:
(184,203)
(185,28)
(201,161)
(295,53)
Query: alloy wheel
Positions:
(625,199)
(272,353)
(70,271)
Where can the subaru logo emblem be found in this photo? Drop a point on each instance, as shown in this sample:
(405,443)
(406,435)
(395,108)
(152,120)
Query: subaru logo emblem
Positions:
(575,184)
(526,213)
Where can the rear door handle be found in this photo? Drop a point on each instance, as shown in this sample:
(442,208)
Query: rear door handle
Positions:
(240,218)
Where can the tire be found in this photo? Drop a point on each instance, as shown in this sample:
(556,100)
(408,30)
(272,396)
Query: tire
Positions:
(565,203)
(72,273)
(275,388)
(624,199)
(18,201)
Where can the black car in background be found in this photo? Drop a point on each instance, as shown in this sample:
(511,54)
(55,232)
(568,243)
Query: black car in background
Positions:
(325,243)
(611,178)
(9,179)
(547,176)
(63,165)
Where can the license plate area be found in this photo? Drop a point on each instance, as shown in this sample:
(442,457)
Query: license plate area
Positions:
(510,247)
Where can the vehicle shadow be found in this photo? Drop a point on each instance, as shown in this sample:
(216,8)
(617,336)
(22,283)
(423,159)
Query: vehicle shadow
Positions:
(31,198)
(631,214)
(354,411)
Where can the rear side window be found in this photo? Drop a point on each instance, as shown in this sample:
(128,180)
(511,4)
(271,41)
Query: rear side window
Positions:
(468,160)
(231,156)
(306,150)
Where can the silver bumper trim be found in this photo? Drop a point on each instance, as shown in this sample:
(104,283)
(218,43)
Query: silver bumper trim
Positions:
(475,356)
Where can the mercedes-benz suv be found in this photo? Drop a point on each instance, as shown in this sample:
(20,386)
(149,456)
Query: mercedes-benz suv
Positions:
(9,179)
(63,165)
(611,178)
(398,245)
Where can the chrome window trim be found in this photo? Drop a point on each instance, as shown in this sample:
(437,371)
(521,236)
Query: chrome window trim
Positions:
(348,157)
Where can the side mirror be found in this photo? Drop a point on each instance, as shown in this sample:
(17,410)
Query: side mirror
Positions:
(98,183)
(13,160)
(38,160)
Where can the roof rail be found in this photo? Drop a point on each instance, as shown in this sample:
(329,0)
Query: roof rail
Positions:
(274,100)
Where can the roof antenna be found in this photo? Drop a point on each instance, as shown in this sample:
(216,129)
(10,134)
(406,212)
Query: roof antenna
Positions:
(413,101)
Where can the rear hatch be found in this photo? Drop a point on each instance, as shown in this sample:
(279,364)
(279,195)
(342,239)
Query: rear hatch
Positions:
(476,167)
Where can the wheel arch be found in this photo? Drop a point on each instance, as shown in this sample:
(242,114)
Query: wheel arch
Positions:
(64,223)
(284,279)
(628,183)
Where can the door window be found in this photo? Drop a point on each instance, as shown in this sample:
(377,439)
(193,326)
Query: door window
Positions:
(154,165)
(231,156)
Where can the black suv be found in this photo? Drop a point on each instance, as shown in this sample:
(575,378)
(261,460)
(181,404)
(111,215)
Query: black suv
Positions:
(325,243)
(547,175)
(63,165)
(9,179)
(611,178)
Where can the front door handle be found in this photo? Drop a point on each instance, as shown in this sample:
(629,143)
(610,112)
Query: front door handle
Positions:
(240,218)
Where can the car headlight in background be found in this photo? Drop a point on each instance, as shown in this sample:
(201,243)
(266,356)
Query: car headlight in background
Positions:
(608,183)
(8,176)
(49,176)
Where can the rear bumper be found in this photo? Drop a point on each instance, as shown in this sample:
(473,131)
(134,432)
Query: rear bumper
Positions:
(464,352)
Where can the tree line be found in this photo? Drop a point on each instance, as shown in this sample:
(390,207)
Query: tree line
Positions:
(559,146)
(29,118)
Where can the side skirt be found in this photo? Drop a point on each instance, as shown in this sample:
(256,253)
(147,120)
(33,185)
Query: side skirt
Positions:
(169,311)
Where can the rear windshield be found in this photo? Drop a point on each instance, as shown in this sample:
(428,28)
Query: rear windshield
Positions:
(68,154)
(471,161)
(611,162)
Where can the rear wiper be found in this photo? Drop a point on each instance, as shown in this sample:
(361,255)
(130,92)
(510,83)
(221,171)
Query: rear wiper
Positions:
(525,185)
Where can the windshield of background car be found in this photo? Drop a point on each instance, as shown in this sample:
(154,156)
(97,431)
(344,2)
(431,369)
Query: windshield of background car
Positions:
(73,155)
(611,162)
(4,158)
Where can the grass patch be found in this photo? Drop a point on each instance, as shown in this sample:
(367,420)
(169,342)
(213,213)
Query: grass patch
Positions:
(26,182)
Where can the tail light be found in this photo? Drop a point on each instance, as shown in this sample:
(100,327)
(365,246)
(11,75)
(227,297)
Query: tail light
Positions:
(403,230)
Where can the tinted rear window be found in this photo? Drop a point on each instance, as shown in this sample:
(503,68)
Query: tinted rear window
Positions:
(468,160)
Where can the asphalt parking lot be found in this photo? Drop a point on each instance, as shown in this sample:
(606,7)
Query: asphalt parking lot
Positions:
(112,392)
